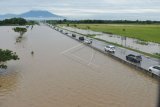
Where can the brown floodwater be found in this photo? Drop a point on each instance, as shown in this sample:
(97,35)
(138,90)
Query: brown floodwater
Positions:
(65,73)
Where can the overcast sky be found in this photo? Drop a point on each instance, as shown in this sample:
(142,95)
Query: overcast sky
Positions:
(88,9)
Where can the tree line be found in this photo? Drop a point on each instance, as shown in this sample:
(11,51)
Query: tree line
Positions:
(65,21)
(14,21)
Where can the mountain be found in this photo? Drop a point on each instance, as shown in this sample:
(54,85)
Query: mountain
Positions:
(38,14)
(33,14)
(7,16)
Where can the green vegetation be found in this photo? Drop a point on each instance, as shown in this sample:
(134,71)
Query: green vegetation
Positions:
(142,30)
(144,53)
(65,21)
(31,22)
(17,21)
(142,42)
(156,55)
(6,55)
(145,32)
(14,21)
(20,30)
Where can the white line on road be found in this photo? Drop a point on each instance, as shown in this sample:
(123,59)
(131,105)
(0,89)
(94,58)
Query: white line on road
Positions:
(91,57)
(79,58)
(71,48)
(85,61)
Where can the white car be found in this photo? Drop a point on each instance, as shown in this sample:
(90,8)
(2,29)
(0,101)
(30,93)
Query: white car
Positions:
(110,48)
(155,69)
(88,41)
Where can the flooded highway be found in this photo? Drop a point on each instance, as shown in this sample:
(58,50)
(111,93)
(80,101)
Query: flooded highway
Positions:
(65,73)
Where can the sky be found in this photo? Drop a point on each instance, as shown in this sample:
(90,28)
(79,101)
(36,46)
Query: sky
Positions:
(88,9)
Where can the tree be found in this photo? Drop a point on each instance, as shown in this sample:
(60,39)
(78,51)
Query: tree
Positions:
(124,30)
(75,25)
(14,21)
(88,27)
(20,30)
(68,24)
(7,55)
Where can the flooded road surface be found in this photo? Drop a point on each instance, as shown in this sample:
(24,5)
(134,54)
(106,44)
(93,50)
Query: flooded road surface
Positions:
(65,73)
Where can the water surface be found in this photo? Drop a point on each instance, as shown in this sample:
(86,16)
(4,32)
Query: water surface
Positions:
(65,73)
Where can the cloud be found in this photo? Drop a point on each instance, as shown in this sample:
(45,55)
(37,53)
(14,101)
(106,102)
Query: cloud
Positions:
(84,8)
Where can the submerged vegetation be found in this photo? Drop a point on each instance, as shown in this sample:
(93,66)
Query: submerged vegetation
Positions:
(31,22)
(20,30)
(6,55)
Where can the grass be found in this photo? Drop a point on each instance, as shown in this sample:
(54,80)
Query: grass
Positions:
(145,32)
(144,53)
(142,42)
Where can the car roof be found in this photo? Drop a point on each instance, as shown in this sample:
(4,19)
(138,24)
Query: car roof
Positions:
(156,66)
(111,46)
(88,40)
(131,55)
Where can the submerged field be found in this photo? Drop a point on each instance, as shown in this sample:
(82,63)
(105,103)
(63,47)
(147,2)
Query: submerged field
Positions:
(147,32)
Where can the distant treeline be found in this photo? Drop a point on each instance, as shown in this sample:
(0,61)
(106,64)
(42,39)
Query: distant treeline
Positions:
(14,21)
(102,22)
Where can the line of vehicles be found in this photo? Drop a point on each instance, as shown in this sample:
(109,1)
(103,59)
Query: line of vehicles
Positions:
(135,59)
(112,49)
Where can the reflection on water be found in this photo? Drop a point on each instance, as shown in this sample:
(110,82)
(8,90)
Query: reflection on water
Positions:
(65,73)
(8,80)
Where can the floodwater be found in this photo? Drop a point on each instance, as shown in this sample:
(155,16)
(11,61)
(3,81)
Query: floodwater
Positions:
(65,73)
(149,47)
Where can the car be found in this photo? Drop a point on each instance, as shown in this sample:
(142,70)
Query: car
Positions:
(88,41)
(139,57)
(81,38)
(61,31)
(66,33)
(110,48)
(134,58)
(155,69)
(27,26)
(73,35)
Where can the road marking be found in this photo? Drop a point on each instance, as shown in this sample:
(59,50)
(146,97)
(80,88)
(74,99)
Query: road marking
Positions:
(85,61)
(79,58)
(71,48)
(91,57)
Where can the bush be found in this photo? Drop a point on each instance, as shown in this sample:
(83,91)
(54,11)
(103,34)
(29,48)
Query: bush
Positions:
(6,55)
(20,30)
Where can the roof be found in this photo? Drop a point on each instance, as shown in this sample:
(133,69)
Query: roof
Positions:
(111,46)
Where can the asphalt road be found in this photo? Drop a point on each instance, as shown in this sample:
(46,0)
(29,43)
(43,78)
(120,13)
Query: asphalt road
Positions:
(120,52)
